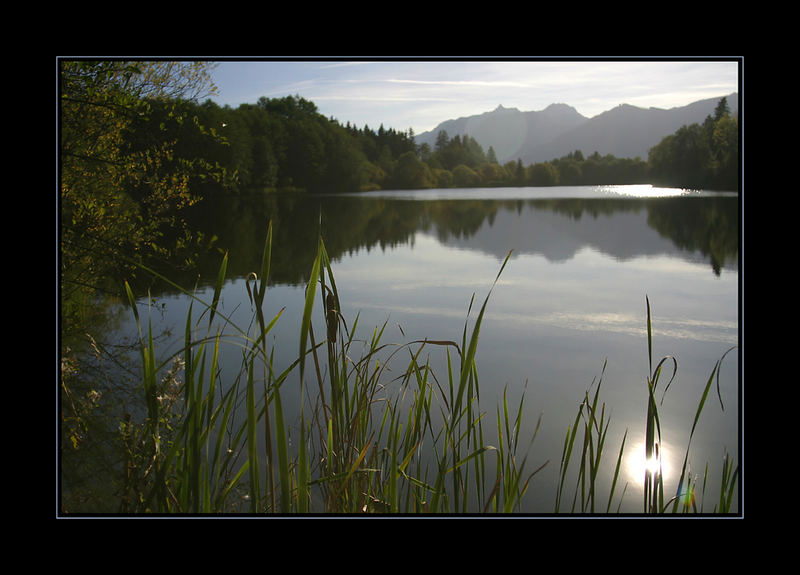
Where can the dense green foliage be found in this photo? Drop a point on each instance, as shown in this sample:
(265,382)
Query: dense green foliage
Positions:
(126,175)
(280,144)
(128,166)
(700,155)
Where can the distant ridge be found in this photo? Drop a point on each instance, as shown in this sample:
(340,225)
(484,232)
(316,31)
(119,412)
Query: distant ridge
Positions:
(624,131)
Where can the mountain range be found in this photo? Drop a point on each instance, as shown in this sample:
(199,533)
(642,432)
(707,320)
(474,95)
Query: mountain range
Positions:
(625,131)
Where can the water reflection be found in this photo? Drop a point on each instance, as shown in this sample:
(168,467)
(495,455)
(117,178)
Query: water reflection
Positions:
(638,464)
(695,228)
(573,297)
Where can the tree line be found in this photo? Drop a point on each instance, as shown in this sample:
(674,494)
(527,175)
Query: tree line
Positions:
(286,144)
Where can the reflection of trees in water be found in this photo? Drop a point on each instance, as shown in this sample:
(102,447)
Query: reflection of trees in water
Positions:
(707,225)
(576,208)
(460,219)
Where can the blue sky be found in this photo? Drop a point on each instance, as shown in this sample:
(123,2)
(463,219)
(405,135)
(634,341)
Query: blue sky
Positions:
(421,94)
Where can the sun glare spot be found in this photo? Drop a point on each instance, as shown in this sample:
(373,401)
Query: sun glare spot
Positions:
(638,464)
(643,191)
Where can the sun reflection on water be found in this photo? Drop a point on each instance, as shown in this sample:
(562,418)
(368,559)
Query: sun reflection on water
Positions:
(643,191)
(638,464)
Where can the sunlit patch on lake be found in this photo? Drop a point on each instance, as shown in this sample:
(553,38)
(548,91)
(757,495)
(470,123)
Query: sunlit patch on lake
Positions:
(644,191)
(632,191)
(638,464)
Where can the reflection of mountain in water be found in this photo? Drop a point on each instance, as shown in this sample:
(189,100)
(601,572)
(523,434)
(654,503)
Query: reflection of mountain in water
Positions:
(623,234)
(696,228)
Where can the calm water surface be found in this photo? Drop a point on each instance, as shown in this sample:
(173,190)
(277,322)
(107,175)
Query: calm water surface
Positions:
(571,298)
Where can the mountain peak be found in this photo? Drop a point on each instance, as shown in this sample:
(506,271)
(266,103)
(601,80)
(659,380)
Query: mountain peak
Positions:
(625,131)
(559,107)
(501,108)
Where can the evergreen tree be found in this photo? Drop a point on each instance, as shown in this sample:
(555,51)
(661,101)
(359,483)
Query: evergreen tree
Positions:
(699,156)
(442,140)
(722,110)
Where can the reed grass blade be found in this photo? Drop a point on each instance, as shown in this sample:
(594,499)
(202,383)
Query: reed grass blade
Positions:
(132,302)
(699,410)
(311,292)
(252,440)
(218,288)
(283,453)
(469,359)
(302,472)
(649,337)
(566,455)
(616,471)
(266,260)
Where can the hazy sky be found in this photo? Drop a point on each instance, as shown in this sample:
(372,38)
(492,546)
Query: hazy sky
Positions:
(421,94)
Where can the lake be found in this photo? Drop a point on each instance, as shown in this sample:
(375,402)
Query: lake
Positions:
(571,299)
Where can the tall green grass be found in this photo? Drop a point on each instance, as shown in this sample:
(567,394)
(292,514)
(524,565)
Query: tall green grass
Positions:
(591,419)
(371,438)
(685,496)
